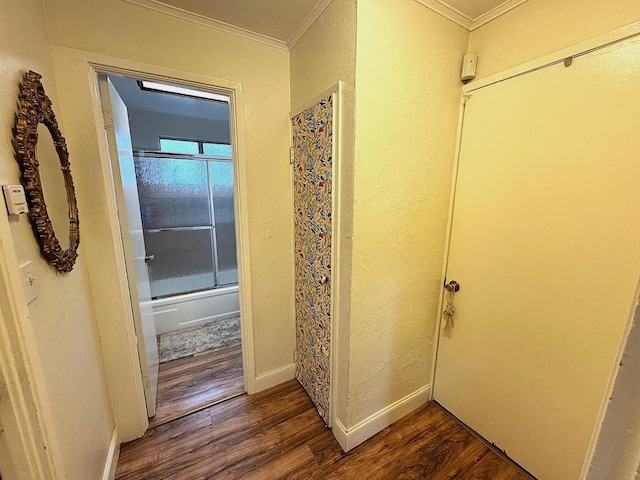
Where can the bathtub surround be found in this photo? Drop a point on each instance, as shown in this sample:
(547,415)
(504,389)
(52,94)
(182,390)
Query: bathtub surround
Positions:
(197,308)
(192,340)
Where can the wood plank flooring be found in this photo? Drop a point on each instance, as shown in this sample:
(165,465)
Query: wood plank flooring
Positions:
(190,383)
(277,434)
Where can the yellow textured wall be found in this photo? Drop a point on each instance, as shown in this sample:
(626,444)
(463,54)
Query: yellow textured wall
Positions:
(130,32)
(540,27)
(61,332)
(325,54)
(408,90)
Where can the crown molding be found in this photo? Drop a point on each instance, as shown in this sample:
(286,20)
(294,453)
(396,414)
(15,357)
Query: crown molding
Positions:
(470,24)
(447,11)
(495,13)
(308,21)
(176,12)
(438,6)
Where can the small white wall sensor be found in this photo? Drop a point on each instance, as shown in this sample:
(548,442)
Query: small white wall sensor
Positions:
(469,66)
(15,199)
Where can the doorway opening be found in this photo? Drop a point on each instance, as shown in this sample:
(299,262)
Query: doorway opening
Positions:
(172,157)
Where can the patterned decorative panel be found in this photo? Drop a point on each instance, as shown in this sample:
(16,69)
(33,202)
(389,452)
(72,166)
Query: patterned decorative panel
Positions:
(313,158)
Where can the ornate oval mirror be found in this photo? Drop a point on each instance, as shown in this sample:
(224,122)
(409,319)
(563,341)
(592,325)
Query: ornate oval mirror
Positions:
(35,127)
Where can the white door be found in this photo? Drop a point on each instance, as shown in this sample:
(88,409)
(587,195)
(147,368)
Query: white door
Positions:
(121,153)
(546,248)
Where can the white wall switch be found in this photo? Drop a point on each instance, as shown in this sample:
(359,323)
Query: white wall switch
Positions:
(29,281)
(15,199)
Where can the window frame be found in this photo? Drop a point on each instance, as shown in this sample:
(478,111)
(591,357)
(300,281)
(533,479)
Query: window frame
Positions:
(200,143)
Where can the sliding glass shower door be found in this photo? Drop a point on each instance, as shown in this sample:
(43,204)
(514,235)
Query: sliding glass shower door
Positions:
(188,221)
(221,175)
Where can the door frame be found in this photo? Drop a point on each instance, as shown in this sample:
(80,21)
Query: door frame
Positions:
(236,123)
(26,419)
(336,208)
(579,49)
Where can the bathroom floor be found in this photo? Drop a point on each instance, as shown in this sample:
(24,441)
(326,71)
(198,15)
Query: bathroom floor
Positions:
(189,341)
(198,381)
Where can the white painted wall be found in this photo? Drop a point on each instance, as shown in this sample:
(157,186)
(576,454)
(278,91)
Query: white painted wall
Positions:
(127,33)
(325,54)
(58,329)
(407,98)
(147,127)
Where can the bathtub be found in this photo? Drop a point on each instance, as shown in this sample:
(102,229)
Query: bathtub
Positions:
(192,309)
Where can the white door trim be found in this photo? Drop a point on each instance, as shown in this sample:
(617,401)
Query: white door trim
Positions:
(119,351)
(447,241)
(234,90)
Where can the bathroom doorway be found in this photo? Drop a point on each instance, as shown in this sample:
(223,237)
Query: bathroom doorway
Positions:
(172,160)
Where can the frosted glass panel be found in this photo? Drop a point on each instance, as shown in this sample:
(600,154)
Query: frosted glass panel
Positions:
(222,187)
(183,261)
(173,193)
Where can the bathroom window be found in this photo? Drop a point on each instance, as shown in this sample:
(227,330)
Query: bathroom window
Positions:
(175,145)
(188,222)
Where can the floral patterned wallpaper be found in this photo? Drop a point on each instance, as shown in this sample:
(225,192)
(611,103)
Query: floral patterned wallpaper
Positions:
(313,158)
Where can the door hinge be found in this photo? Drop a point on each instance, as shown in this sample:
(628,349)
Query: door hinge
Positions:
(291,157)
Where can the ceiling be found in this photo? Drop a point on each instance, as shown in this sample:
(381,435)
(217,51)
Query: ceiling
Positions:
(281,20)
(137,99)
(473,9)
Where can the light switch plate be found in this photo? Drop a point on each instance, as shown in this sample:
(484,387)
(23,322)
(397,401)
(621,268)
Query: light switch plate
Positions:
(29,281)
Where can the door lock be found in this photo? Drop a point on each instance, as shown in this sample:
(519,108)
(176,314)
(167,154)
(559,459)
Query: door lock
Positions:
(149,258)
(452,286)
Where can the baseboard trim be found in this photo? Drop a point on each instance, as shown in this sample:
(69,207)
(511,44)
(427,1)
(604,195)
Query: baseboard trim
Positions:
(275,377)
(349,438)
(109,472)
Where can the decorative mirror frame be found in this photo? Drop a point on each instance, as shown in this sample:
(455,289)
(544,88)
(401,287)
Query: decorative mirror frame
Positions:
(34,107)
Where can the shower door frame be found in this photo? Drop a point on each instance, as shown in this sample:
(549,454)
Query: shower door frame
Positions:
(214,241)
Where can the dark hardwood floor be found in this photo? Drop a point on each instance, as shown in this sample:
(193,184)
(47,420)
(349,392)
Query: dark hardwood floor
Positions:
(277,434)
(190,383)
